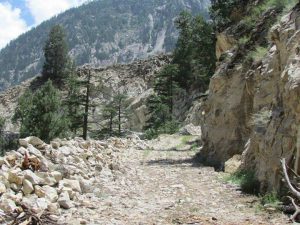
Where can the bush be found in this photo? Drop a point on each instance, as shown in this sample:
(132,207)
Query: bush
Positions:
(258,53)
(246,180)
(270,199)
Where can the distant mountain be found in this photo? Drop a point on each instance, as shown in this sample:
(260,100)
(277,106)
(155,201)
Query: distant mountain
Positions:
(101,33)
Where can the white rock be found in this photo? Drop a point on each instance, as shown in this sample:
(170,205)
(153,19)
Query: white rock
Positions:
(7,205)
(2,188)
(15,187)
(73,184)
(57,176)
(64,201)
(47,178)
(53,208)
(35,141)
(65,150)
(39,191)
(32,177)
(32,150)
(27,187)
(50,193)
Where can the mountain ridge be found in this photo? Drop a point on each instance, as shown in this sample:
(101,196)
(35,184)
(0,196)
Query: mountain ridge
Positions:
(100,33)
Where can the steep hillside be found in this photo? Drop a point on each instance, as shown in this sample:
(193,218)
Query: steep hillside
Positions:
(100,33)
(135,79)
(252,108)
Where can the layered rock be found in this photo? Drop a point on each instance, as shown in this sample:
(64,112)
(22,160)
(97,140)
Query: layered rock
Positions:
(253,110)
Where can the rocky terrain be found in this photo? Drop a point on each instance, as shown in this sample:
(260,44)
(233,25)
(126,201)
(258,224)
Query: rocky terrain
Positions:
(135,80)
(100,33)
(121,181)
(253,110)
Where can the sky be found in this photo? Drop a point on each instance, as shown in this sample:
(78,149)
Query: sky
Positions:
(18,16)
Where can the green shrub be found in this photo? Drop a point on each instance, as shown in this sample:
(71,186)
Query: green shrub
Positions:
(270,199)
(246,180)
(258,53)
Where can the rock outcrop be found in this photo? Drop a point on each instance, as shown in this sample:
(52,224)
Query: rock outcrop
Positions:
(253,109)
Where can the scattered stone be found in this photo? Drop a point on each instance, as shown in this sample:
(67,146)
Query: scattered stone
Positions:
(64,201)
(27,187)
(2,188)
(73,184)
(7,205)
(50,193)
(15,176)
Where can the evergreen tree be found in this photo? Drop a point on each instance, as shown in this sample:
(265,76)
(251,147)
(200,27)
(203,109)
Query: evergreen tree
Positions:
(75,99)
(120,107)
(109,112)
(195,51)
(56,55)
(2,137)
(41,113)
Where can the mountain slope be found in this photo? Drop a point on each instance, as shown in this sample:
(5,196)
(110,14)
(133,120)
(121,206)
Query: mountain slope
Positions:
(100,33)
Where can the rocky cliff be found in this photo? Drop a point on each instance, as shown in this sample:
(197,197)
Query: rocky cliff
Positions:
(252,108)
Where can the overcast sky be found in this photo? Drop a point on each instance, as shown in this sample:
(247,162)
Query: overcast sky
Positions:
(18,16)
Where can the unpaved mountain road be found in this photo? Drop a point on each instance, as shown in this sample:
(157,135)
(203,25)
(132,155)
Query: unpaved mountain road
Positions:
(162,185)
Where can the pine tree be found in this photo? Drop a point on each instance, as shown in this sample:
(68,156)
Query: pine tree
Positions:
(109,112)
(43,115)
(75,99)
(56,55)
(120,107)
(2,137)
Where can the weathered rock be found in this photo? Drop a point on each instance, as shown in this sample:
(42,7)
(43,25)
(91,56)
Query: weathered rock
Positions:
(39,191)
(34,141)
(2,188)
(191,129)
(15,176)
(232,165)
(64,201)
(73,184)
(50,193)
(57,176)
(7,205)
(32,177)
(27,187)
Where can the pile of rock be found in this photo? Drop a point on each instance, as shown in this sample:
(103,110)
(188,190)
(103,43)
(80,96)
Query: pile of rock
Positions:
(54,177)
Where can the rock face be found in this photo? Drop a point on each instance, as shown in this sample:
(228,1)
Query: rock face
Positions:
(254,110)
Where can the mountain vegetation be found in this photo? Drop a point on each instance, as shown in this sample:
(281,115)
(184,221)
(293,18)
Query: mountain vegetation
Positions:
(192,67)
(100,33)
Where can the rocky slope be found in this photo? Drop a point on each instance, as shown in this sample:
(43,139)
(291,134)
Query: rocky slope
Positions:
(253,109)
(135,80)
(100,33)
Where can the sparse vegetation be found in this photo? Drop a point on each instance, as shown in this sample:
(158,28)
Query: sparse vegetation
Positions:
(259,53)
(246,180)
(270,199)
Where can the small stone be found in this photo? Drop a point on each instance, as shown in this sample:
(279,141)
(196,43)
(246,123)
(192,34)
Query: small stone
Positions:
(7,205)
(32,177)
(53,208)
(65,150)
(73,184)
(50,193)
(15,176)
(64,201)
(55,144)
(27,187)
(39,191)
(57,176)
(15,187)
(2,188)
